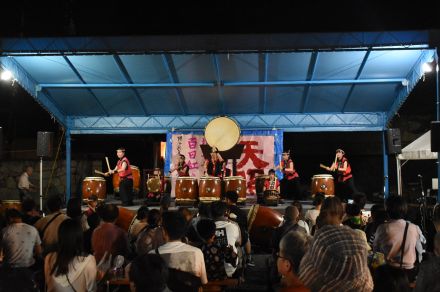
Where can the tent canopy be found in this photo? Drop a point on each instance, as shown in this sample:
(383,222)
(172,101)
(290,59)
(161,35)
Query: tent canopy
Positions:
(294,82)
(419,149)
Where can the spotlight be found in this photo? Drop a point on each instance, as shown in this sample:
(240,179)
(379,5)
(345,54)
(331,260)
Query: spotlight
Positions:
(6,75)
(426,67)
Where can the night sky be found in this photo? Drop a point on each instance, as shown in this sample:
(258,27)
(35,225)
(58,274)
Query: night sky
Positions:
(21,117)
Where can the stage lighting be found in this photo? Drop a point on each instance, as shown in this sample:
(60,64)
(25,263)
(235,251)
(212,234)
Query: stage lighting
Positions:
(426,67)
(6,75)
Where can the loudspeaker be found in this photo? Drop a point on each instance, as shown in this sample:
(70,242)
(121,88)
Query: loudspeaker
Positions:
(393,142)
(435,136)
(44,144)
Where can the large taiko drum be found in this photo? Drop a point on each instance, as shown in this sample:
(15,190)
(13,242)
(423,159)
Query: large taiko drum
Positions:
(262,222)
(94,186)
(136,179)
(323,183)
(186,190)
(10,204)
(236,184)
(210,188)
(222,133)
(259,183)
(126,218)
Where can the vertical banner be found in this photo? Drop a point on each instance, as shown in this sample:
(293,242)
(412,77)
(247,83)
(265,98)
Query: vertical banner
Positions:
(262,151)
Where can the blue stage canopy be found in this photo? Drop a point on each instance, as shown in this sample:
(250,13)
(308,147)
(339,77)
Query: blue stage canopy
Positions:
(153,84)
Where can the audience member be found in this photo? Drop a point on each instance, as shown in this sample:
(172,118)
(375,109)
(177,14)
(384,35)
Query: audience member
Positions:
(353,216)
(142,218)
(301,221)
(290,223)
(48,226)
(214,254)
(331,213)
(20,242)
(293,246)
(180,256)
(30,212)
(108,237)
(74,211)
(378,217)
(313,213)
(204,212)
(151,237)
(428,276)
(227,232)
(148,272)
(92,203)
(69,269)
(240,217)
(390,236)
(336,261)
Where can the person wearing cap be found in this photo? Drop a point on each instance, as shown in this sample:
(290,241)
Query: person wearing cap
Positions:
(215,166)
(345,187)
(123,169)
(336,261)
(290,182)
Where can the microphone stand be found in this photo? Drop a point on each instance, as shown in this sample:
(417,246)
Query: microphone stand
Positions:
(422,207)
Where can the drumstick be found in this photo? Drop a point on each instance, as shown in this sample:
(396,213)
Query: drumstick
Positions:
(99,172)
(108,164)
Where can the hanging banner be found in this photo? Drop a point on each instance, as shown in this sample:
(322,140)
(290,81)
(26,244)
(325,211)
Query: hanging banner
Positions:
(261,152)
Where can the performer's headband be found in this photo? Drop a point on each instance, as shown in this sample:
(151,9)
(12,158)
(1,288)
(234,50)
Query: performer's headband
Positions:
(341,151)
(121,149)
(286,152)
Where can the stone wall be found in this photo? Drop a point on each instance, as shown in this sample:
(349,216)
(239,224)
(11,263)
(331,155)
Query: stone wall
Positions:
(10,171)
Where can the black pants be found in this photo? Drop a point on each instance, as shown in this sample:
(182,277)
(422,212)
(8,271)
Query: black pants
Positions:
(345,190)
(290,189)
(126,191)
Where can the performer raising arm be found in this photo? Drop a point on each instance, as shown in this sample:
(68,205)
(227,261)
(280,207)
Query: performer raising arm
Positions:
(290,183)
(181,167)
(216,165)
(123,169)
(345,187)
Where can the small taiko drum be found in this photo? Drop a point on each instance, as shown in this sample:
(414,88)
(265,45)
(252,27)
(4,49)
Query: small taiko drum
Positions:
(210,188)
(186,190)
(10,204)
(238,185)
(126,218)
(262,222)
(94,186)
(323,183)
(136,179)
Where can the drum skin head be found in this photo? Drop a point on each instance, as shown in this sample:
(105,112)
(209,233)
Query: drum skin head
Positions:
(222,133)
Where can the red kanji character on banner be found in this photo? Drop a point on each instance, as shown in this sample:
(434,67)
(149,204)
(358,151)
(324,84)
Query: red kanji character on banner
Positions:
(192,154)
(193,165)
(192,143)
(249,153)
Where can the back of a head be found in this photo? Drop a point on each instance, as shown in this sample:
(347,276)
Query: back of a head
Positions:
(205,210)
(396,207)
(378,213)
(352,210)
(74,208)
(142,213)
(109,212)
(332,206)
(206,229)
(28,205)
(319,199)
(360,199)
(153,218)
(165,202)
(186,213)
(53,203)
(389,279)
(298,205)
(149,273)
(12,213)
(294,245)
(70,245)
(291,214)
(218,209)
(174,224)
(336,261)
(232,196)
